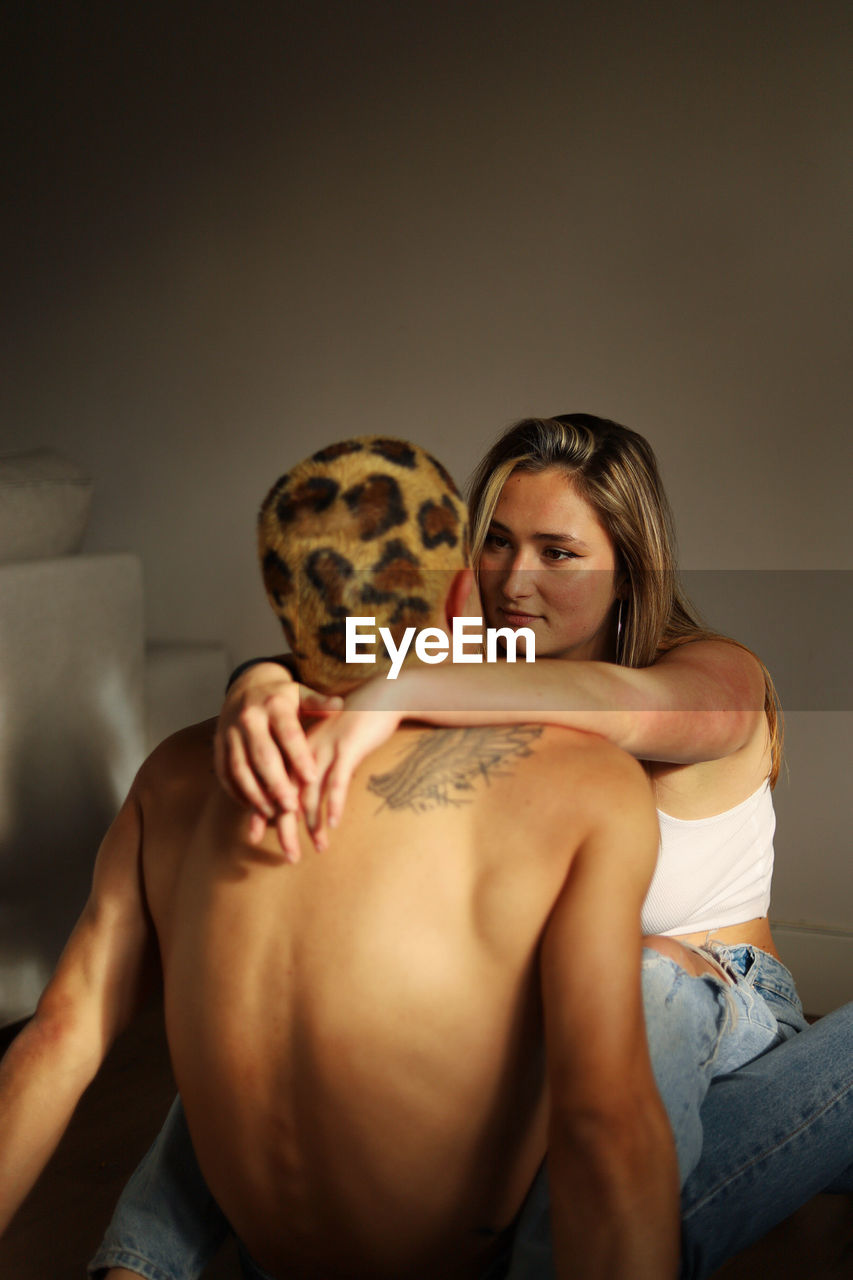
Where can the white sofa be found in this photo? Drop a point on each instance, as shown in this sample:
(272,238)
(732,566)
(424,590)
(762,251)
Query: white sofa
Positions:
(73,714)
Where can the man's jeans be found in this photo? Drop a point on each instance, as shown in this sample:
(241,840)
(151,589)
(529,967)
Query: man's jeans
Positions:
(166,1225)
(754,1141)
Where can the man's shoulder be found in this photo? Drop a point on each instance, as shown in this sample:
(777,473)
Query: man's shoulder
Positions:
(595,756)
(183,759)
(601,779)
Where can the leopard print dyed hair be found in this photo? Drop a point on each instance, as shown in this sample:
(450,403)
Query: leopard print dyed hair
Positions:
(369,527)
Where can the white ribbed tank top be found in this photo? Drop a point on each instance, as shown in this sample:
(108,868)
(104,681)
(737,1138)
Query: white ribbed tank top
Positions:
(713,872)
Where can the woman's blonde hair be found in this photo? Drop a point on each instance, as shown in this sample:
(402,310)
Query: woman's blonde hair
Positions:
(615,470)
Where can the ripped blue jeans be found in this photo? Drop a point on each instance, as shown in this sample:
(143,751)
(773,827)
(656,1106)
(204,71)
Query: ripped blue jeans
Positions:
(726,1022)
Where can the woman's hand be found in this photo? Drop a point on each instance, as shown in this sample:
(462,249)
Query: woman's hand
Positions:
(258,738)
(338,746)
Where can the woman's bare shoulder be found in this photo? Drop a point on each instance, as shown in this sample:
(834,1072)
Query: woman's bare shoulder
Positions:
(716,651)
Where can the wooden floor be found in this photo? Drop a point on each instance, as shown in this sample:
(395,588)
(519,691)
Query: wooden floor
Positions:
(61,1224)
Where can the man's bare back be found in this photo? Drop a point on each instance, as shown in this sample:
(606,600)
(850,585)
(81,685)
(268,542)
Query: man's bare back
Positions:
(358,1040)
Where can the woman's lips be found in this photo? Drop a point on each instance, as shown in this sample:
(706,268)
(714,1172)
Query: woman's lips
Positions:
(519,619)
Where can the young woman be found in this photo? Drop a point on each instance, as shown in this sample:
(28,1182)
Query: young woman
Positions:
(572,541)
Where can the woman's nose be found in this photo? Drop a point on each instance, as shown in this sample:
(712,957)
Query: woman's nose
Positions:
(518,583)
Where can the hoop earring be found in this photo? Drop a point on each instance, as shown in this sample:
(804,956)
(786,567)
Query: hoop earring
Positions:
(618,630)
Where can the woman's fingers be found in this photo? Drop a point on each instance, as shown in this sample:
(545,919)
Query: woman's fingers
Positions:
(335,757)
(290,744)
(238,777)
(310,799)
(287,830)
(257,828)
(286,826)
(220,767)
(336,785)
(312,796)
(266,762)
(261,755)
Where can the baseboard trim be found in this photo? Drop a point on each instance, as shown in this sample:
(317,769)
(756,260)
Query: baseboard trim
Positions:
(821,960)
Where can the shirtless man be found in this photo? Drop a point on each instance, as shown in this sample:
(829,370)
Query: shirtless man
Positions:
(376,1047)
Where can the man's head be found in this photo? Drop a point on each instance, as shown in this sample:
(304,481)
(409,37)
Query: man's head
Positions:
(369,527)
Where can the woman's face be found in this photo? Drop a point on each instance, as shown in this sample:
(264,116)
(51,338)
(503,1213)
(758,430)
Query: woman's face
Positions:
(549,564)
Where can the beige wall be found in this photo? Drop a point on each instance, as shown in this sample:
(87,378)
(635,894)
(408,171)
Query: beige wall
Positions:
(229,245)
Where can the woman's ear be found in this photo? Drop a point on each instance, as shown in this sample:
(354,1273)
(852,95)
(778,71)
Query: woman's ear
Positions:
(463,598)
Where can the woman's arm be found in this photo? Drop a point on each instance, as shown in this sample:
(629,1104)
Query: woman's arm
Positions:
(701,701)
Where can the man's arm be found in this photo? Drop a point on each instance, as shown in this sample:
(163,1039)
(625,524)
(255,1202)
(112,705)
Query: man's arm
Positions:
(611,1156)
(98,984)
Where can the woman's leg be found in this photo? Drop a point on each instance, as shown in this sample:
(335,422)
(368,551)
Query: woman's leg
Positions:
(776,1132)
(686,1022)
(166,1225)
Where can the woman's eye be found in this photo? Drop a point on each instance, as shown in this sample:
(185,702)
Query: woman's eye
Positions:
(496,542)
(559,553)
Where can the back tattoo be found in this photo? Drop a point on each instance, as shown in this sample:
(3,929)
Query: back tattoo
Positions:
(443,767)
